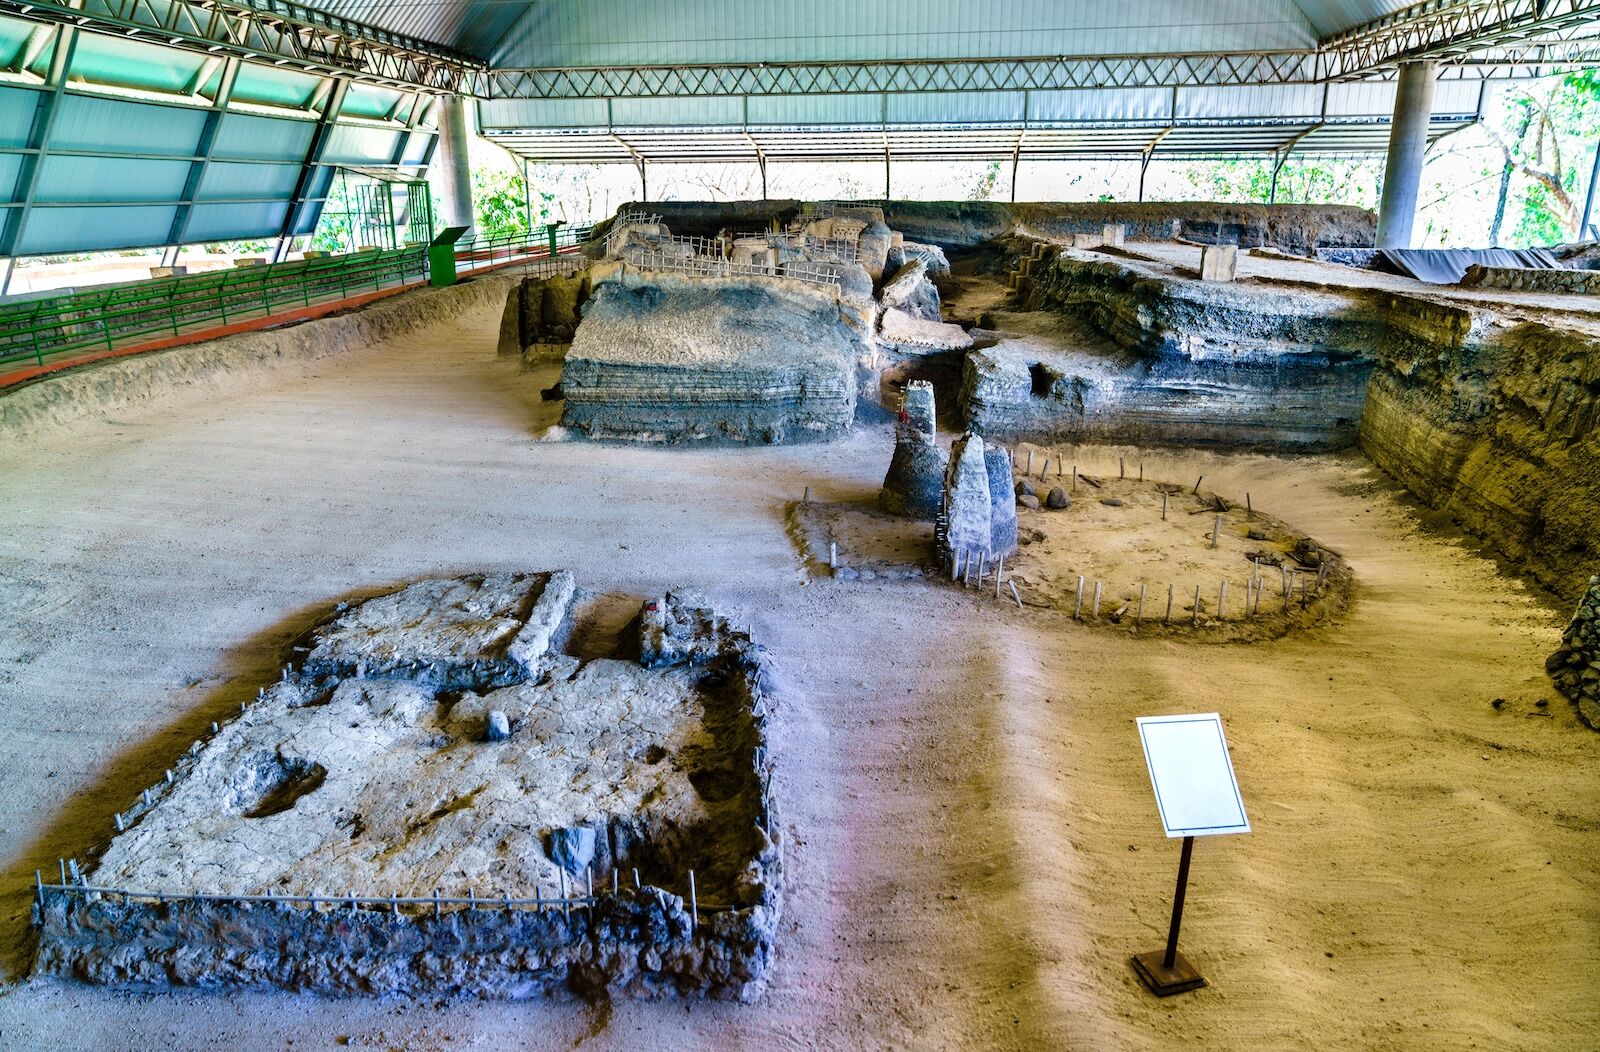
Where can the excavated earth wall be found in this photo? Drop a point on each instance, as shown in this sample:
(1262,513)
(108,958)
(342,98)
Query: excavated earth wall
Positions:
(1497,423)
(1170,361)
(1491,417)
(967,224)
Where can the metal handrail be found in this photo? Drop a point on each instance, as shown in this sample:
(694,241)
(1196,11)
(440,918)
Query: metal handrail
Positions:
(127,315)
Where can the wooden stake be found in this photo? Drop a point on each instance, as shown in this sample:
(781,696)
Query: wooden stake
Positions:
(1248,510)
(1216,531)
(1014,594)
(1197,482)
(833,555)
(1196,604)
(1096,614)
(1169,604)
(1222,601)
(1122,467)
(807,498)
(1074,478)
(1163,506)
(1029,471)
(999,571)
(1140,615)
(1077,611)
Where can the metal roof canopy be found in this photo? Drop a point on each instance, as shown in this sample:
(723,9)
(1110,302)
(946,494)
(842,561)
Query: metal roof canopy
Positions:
(126,123)
(1046,106)
(112,142)
(951,142)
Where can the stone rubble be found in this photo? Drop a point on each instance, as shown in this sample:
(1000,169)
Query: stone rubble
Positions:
(1575,665)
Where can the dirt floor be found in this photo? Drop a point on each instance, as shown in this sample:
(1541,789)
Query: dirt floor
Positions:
(973,844)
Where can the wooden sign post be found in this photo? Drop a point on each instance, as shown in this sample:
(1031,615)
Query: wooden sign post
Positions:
(1197,795)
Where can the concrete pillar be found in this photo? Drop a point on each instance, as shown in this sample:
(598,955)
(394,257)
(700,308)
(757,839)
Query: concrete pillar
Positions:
(1408,139)
(452,167)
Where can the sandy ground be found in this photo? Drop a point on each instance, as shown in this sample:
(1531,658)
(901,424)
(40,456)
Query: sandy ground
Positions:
(973,844)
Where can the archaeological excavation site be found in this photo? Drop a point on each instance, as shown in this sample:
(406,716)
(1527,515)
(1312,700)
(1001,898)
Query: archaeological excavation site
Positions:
(713,525)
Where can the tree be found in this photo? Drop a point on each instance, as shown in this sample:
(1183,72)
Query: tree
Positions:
(1537,141)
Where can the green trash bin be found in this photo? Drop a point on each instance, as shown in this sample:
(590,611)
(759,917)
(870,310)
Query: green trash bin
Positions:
(442,256)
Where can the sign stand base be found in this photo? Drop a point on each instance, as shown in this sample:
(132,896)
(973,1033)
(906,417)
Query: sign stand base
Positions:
(1163,981)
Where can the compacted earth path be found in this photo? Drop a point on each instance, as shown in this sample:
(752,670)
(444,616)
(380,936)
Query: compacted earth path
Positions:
(973,849)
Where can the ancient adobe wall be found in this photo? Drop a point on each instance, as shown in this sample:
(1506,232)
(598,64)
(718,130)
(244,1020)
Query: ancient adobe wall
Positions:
(718,360)
(967,224)
(635,943)
(1498,425)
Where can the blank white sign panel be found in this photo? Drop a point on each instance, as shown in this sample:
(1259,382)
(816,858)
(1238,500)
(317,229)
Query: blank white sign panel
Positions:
(1192,774)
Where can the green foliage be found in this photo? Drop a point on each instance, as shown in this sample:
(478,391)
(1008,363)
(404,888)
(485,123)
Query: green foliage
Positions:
(987,184)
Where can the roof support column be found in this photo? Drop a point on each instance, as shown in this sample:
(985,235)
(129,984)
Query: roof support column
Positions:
(453,162)
(1408,141)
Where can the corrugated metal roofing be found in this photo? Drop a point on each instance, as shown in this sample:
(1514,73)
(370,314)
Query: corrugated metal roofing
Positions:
(630,32)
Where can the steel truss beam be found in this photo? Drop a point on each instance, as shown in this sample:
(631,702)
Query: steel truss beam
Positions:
(1476,39)
(1452,29)
(273,31)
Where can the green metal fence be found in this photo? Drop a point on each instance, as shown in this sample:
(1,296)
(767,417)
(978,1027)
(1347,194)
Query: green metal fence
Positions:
(143,312)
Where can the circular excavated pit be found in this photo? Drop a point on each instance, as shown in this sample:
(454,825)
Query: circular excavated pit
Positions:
(1113,532)
(1259,578)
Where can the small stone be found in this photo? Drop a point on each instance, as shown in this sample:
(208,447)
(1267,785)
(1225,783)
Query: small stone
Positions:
(845,573)
(1025,488)
(1256,535)
(1499,703)
(1111,502)
(1057,499)
(499,728)
(869,575)
(1029,501)
(572,849)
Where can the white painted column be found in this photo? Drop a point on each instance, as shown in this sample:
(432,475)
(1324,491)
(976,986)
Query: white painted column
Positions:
(1408,140)
(452,165)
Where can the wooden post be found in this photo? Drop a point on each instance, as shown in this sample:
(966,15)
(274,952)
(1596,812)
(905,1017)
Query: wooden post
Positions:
(1029,470)
(1197,482)
(1097,600)
(1166,971)
(1169,604)
(1163,506)
(1138,617)
(1197,604)
(1222,601)
(1122,467)
(1216,531)
(1077,611)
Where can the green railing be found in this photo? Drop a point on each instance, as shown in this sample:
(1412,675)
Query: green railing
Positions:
(123,315)
(142,312)
(480,253)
